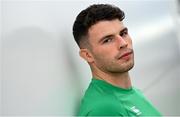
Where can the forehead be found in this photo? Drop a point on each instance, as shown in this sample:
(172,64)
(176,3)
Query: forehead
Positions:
(104,28)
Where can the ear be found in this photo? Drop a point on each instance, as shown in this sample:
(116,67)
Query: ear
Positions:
(86,55)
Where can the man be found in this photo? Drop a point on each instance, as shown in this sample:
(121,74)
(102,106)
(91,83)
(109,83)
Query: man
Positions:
(107,47)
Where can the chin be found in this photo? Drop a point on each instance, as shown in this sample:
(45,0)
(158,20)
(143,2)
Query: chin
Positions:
(131,67)
(126,68)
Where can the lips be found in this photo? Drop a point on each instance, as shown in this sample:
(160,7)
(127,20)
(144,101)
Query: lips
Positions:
(124,55)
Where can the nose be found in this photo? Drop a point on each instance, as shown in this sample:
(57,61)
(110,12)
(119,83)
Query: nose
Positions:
(121,42)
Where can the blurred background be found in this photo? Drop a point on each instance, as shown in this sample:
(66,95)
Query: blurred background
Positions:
(41,71)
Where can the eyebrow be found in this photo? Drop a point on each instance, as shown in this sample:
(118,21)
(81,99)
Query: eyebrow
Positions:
(110,35)
(124,29)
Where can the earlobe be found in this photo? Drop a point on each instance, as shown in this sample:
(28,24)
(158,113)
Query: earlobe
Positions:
(86,55)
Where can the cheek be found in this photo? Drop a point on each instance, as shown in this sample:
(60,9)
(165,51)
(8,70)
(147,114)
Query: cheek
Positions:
(103,57)
(105,53)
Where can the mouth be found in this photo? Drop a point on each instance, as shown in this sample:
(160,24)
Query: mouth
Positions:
(126,55)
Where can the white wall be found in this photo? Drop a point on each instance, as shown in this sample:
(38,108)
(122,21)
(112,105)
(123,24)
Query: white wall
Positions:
(43,73)
(37,47)
(0,59)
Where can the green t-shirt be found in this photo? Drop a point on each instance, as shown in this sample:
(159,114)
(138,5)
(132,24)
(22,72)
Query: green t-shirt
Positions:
(104,99)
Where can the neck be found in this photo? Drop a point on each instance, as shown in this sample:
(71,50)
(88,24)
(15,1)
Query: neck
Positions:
(117,79)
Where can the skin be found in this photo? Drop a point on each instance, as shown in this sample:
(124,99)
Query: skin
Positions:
(110,54)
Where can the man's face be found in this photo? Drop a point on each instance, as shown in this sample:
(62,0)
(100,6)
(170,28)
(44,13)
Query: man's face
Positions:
(111,47)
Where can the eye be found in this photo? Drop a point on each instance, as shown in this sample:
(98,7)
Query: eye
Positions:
(124,33)
(107,40)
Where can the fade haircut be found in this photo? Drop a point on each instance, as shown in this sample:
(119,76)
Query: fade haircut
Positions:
(92,15)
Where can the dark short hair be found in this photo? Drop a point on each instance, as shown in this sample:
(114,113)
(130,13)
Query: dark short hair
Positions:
(92,15)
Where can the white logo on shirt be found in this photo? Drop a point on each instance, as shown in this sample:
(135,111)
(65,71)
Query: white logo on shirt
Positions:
(135,110)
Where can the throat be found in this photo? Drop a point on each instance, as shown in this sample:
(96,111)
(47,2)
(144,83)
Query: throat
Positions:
(121,80)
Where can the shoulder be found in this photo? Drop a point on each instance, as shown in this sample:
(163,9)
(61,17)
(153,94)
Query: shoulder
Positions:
(100,101)
(109,108)
(105,107)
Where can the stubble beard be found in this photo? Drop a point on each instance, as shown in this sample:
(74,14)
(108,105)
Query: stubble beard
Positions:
(114,67)
(121,68)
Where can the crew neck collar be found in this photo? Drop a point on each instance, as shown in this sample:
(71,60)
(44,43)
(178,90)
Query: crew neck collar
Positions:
(112,87)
